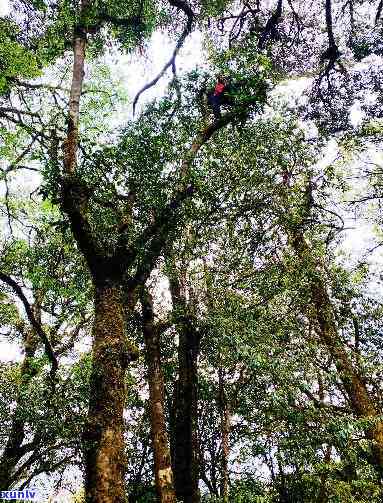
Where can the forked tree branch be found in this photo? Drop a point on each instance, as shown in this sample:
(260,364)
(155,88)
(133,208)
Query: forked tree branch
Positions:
(155,236)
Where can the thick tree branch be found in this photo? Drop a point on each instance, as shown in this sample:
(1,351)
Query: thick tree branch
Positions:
(19,113)
(75,198)
(332,53)
(48,87)
(271,25)
(155,236)
(379,11)
(330,34)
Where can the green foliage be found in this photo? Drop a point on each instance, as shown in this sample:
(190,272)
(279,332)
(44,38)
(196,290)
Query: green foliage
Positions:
(144,18)
(293,433)
(213,8)
(245,490)
(16,61)
(9,315)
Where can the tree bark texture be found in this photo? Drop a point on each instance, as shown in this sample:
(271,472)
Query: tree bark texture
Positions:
(354,384)
(103,437)
(184,436)
(162,463)
(71,141)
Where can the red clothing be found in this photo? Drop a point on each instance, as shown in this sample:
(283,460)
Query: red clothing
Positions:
(219,87)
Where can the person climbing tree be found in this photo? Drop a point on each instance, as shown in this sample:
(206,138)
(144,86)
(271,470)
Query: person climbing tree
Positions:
(238,93)
(219,97)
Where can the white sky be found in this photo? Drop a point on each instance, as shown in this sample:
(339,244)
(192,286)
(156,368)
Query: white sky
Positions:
(4,7)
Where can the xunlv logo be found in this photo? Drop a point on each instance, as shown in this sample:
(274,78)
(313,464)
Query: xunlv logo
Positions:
(27,494)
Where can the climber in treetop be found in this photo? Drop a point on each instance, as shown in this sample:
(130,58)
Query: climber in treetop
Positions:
(240,93)
(218,98)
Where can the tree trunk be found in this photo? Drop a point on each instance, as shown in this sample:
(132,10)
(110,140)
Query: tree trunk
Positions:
(162,463)
(225,432)
(185,463)
(357,392)
(322,495)
(103,437)
(71,141)
(184,439)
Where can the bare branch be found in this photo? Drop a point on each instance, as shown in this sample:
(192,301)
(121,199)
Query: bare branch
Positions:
(271,24)
(72,337)
(379,11)
(190,15)
(48,87)
(19,113)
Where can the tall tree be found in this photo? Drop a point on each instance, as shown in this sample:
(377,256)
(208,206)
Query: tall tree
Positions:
(162,462)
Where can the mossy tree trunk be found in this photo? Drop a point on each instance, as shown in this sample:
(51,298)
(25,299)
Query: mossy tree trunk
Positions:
(104,435)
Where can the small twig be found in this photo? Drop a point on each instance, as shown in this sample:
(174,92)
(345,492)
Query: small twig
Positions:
(375,247)
(72,337)
(332,213)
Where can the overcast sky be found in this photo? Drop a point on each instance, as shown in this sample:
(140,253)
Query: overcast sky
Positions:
(3,7)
